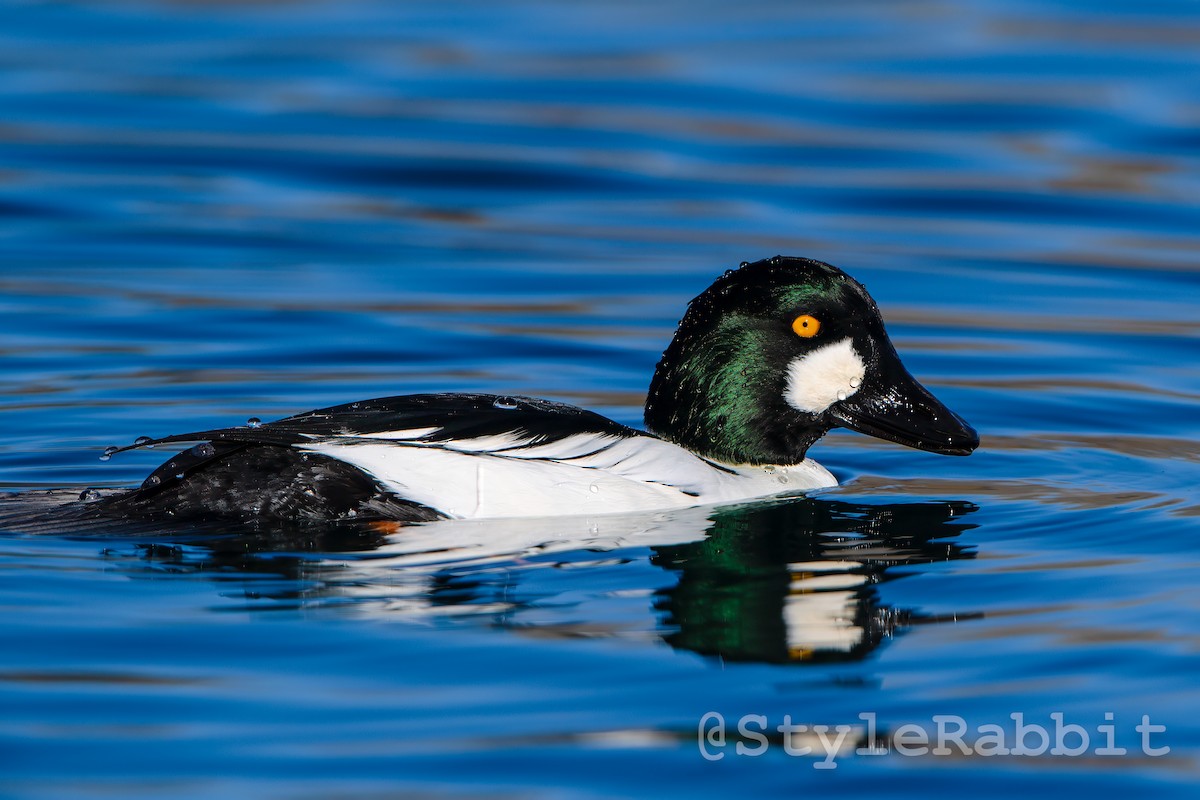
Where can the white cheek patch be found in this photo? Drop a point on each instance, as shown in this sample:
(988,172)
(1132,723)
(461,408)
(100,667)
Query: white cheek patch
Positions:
(826,375)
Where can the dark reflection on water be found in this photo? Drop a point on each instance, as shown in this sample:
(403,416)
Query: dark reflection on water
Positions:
(796,581)
(786,581)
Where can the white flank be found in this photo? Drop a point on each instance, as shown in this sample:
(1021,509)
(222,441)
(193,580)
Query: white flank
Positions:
(826,375)
(601,474)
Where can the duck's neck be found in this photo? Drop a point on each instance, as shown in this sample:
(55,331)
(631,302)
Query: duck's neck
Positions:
(717,397)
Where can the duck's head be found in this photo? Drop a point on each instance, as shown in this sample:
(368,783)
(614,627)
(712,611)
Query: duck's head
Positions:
(774,354)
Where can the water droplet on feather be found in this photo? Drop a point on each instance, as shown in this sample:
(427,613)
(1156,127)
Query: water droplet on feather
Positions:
(254,422)
(109,452)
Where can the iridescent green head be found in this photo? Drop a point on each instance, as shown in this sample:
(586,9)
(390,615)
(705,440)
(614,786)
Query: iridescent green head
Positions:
(774,354)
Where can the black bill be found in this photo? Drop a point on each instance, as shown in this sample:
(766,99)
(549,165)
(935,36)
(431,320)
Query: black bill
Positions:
(899,409)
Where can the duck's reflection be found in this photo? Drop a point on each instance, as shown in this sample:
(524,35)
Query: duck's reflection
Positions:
(797,581)
(790,580)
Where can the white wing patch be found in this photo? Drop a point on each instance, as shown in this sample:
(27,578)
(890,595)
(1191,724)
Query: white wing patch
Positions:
(817,380)
(585,473)
(409,433)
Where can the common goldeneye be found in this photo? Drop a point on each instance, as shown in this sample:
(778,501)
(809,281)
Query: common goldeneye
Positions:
(764,362)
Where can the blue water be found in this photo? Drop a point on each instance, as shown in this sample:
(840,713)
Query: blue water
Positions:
(210,211)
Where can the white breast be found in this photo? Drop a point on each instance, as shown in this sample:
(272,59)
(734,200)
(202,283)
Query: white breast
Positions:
(588,473)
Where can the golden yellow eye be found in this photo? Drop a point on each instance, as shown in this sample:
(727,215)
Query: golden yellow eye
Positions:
(806,326)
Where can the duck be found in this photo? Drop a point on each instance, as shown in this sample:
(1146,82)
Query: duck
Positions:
(764,362)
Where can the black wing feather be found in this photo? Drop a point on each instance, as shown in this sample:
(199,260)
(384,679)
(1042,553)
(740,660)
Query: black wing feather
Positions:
(456,416)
